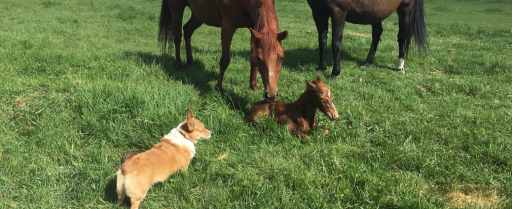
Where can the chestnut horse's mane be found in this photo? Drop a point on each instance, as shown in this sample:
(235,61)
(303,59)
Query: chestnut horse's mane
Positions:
(266,21)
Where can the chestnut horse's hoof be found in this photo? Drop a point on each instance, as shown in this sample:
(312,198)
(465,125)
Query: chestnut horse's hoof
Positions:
(254,87)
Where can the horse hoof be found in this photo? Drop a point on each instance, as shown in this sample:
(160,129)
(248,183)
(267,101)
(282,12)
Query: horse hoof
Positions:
(254,88)
(401,70)
(321,68)
(364,65)
(218,88)
(333,76)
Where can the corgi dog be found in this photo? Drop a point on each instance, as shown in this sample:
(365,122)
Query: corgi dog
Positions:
(172,153)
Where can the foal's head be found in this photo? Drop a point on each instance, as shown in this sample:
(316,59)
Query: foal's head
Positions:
(321,97)
(269,59)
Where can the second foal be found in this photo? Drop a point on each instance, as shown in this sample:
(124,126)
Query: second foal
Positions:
(299,116)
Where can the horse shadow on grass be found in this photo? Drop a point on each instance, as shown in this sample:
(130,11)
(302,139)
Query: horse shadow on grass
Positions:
(296,59)
(196,75)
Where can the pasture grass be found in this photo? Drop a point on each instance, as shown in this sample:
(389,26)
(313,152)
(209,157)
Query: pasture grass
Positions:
(83,82)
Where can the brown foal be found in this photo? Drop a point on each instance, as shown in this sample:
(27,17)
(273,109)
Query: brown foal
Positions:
(299,116)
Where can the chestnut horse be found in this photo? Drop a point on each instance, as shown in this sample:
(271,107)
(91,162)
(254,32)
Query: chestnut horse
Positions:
(410,22)
(266,49)
(299,115)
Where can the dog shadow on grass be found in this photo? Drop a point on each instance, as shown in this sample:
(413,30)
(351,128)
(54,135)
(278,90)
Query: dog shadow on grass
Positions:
(110,191)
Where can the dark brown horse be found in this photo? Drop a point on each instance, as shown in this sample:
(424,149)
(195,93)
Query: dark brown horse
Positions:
(266,49)
(299,116)
(411,23)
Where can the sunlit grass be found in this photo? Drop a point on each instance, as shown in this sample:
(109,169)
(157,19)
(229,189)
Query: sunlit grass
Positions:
(83,82)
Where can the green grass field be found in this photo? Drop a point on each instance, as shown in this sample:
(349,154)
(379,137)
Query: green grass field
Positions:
(82,82)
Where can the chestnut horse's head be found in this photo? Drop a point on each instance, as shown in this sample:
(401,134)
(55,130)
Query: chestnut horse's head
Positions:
(322,98)
(269,54)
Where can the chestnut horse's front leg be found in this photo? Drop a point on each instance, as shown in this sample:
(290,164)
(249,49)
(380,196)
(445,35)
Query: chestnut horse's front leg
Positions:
(254,69)
(227,32)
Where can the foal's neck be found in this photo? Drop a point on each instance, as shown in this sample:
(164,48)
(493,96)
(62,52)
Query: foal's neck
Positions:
(305,104)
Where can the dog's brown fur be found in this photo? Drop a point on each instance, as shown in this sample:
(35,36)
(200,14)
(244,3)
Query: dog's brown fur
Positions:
(172,153)
(299,115)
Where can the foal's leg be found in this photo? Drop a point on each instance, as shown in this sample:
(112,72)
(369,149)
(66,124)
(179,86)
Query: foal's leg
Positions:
(254,69)
(403,12)
(338,24)
(188,29)
(322,26)
(376,33)
(227,32)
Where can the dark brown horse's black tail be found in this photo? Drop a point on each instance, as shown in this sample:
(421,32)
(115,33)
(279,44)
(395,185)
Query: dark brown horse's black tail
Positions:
(417,28)
(165,34)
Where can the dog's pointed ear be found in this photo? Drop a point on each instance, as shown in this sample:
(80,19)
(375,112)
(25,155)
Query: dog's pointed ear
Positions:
(255,33)
(282,36)
(189,113)
(190,122)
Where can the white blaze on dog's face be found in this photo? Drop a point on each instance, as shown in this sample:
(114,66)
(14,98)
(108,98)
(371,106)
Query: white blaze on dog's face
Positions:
(194,129)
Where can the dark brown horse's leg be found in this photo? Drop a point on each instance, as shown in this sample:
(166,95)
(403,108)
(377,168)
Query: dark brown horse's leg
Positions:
(376,33)
(254,69)
(338,24)
(322,26)
(177,20)
(227,32)
(188,29)
(403,12)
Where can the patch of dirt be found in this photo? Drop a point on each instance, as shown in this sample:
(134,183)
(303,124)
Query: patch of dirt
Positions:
(360,34)
(474,197)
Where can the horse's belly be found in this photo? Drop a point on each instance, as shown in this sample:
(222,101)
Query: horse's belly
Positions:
(206,11)
(366,17)
(213,12)
(371,11)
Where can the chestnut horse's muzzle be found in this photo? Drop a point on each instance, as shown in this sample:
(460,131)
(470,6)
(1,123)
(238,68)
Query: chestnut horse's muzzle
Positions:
(269,98)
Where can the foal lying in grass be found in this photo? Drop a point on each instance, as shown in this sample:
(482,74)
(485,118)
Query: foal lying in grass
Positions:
(299,116)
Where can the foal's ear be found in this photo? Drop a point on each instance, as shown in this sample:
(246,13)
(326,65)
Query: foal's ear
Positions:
(255,33)
(282,36)
(318,78)
(310,85)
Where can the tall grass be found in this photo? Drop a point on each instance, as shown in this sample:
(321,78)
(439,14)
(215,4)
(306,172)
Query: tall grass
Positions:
(82,82)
